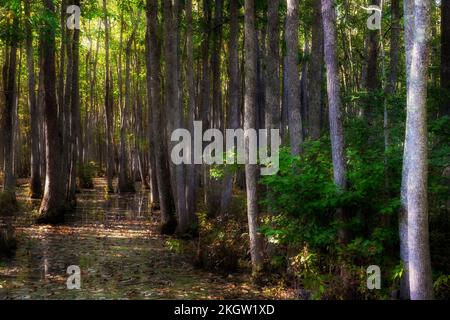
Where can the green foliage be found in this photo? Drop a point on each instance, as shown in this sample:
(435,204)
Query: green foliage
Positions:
(223,240)
(304,199)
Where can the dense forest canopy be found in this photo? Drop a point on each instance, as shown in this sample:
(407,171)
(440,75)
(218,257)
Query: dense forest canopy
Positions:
(359,91)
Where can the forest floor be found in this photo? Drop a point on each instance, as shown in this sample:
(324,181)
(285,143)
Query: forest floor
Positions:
(114,241)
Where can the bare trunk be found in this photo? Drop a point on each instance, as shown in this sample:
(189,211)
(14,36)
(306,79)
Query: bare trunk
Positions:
(125,183)
(75,123)
(35,182)
(292,73)
(403,214)
(251,170)
(9,81)
(420,279)
(53,202)
(108,110)
(316,74)
(335,115)
(190,170)
(168,221)
(233,96)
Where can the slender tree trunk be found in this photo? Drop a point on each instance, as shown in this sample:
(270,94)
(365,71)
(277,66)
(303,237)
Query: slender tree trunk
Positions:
(408,7)
(372,81)
(420,280)
(65,113)
(190,170)
(292,70)
(316,73)
(233,96)
(335,114)
(108,109)
(35,182)
(168,221)
(172,102)
(125,183)
(395,45)
(53,202)
(251,170)
(75,123)
(9,81)
(273,67)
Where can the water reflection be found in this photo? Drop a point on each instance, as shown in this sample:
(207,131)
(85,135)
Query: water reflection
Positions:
(113,239)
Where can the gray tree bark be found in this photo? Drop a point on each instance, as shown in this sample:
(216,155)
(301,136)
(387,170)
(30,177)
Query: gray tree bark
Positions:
(35,182)
(191,177)
(53,203)
(316,73)
(272,69)
(173,107)
(408,14)
(292,76)
(75,123)
(251,170)
(420,279)
(153,52)
(9,82)
(334,104)
(125,183)
(233,95)
(108,109)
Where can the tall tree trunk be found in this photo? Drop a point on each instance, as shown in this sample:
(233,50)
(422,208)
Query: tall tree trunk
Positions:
(65,112)
(233,96)
(292,70)
(372,80)
(251,170)
(108,109)
(75,123)
(125,183)
(445,54)
(316,74)
(395,45)
(408,8)
(9,82)
(190,170)
(335,113)
(153,46)
(53,202)
(35,182)
(273,66)
(420,280)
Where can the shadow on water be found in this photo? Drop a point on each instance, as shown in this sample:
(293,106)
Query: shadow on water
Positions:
(114,241)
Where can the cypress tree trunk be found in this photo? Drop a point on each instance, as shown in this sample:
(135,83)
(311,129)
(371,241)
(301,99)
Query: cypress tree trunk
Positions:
(251,170)
(108,109)
(335,115)
(408,8)
(316,73)
(35,182)
(53,202)
(420,279)
(153,47)
(233,96)
(191,182)
(292,73)
(9,82)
